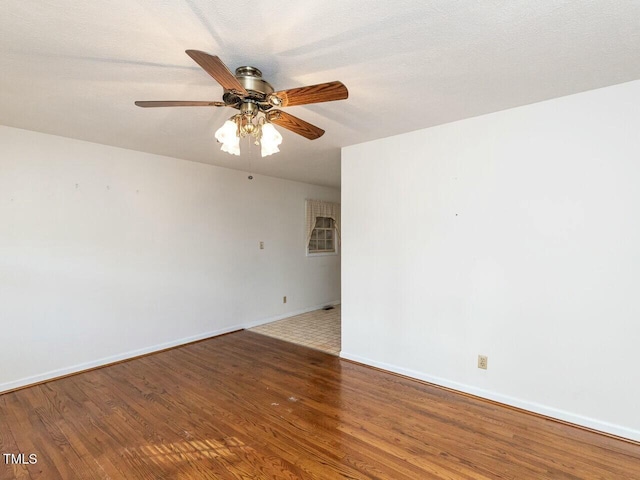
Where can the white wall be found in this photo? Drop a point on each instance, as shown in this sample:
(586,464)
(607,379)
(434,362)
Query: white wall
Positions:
(514,235)
(106,253)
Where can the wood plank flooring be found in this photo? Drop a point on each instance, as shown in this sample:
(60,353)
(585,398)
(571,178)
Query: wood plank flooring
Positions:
(247,406)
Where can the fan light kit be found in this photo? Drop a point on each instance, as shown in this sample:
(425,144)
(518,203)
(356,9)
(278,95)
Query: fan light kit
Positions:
(248,92)
(246,124)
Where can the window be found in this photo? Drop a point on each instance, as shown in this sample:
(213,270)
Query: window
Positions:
(323,236)
(322,227)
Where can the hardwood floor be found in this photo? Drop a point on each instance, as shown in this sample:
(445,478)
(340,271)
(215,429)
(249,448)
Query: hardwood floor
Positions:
(249,406)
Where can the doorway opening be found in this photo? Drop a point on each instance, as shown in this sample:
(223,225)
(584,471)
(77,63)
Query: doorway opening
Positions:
(319,330)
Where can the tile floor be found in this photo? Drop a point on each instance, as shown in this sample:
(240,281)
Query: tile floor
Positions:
(319,329)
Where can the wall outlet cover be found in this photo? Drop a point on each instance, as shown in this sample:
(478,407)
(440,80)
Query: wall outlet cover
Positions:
(483,361)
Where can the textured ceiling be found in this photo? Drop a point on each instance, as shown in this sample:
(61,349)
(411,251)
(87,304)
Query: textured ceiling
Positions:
(74,68)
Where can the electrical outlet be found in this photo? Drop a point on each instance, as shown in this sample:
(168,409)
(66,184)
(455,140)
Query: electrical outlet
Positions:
(482,361)
(284,299)
(261,245)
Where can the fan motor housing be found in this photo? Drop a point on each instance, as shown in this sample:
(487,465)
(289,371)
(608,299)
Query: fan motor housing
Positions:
(251,79)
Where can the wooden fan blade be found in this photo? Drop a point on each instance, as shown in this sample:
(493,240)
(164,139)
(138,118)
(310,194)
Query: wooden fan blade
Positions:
(295,124)
(179,103)
(323,92)
(218,70)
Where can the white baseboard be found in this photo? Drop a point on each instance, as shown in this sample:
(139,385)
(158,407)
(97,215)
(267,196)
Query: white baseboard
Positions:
(547,411)
(262,321)
(43,377)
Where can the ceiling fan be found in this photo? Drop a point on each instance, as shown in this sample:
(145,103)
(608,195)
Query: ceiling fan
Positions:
(255,98)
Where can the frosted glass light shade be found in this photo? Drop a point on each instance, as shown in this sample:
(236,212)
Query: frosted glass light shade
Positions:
(227,136)
(270,140)
(232,147)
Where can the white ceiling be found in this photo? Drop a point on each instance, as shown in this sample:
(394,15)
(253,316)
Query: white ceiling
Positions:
(74,68)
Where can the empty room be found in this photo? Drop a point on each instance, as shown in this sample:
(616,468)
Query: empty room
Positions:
(302,240)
